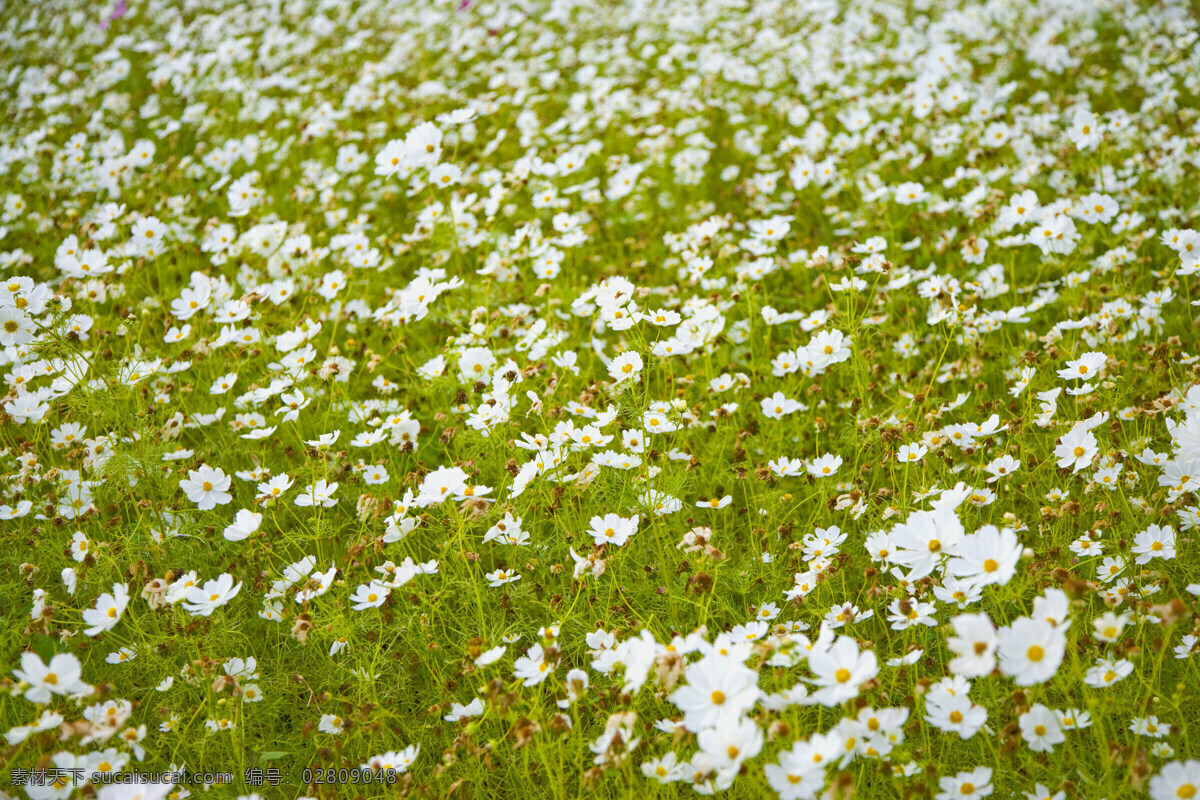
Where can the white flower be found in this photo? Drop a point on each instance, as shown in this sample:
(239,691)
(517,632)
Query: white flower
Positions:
(318,494)
(244,524)
(459,712)
(1077,449)
(1154,542)
(62,676)
(824,466)
(370,595)
(490,656)
(910,193)
(79,546)
(625,367)
(1108,626)
(108,610)
(501,577)
(223,384)
(1040,729)
(613,529)
(207,487)
(974,645)
(1084,130)
(533,668)
(203,600)
(1031,650)
(445,175)
(16,327)
(840,670)
(719,690)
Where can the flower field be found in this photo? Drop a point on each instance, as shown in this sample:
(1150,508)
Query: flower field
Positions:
(549,399)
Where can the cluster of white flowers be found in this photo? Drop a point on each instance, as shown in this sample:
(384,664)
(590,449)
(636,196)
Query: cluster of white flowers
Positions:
(829,374)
